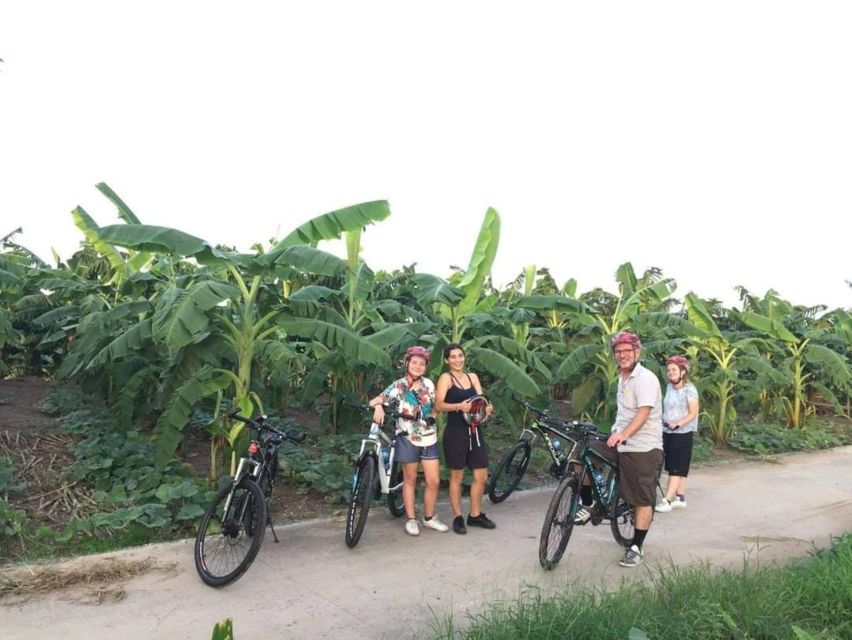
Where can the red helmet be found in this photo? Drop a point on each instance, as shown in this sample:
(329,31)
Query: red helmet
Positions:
(679,361)
(625,337)
(416,350)
(477,414)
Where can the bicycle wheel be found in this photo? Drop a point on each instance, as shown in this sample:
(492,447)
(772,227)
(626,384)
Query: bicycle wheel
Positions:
(230,533)
(558,523)
(509,472)
(621,521)
(395,504)
(359,503)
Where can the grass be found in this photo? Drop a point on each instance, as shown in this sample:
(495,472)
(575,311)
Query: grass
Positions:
(807,598)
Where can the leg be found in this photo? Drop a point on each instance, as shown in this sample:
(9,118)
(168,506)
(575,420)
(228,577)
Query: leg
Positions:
(672,487)
(476,491)
(456,478)
(409,483)
(644,515)
(431,471)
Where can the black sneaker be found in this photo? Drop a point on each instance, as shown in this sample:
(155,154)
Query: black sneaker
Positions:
(480,521)
(458,525)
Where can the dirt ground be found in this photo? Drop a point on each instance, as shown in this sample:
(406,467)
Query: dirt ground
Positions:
(392,585)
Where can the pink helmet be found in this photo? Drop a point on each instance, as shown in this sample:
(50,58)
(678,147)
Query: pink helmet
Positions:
(679,361)
(625,337)
(416,350)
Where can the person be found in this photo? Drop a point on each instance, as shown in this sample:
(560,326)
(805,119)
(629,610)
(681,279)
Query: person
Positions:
(414,397)
(680,422)
(635,442)
(464,443)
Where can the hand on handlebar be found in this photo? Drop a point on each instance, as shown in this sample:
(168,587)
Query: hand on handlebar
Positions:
(379,414)
(615,439)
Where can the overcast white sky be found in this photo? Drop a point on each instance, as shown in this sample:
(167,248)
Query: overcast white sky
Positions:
(713,140)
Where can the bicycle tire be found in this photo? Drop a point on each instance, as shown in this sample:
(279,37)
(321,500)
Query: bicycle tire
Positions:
(509,472)
(396,505)
(359,503)
(621,521)
(227,538)
(558,523)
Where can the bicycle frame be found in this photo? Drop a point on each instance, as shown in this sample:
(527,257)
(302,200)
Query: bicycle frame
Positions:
(373,445)
(548,440)
(585,459)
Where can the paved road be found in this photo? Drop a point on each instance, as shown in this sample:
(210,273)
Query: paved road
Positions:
(312,586)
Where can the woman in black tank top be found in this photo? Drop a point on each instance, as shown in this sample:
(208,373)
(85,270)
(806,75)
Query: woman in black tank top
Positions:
(463,446)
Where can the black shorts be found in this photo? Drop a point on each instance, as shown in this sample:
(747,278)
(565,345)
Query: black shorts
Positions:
(461,451)
(678,450)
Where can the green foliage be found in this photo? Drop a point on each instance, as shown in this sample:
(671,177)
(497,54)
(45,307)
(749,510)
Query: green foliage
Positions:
(765,439)
(12,521)
(223,630)
(128,487)
(811,595)
(327,470)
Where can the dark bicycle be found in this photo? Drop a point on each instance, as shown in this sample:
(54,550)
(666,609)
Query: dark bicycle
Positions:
(232,529)
(514,464)
(565,503)
(376,473)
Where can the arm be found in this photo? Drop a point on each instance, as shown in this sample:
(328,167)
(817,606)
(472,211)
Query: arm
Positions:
(378,408)
(478,386)
(441,394)
(691,414)
(639,420)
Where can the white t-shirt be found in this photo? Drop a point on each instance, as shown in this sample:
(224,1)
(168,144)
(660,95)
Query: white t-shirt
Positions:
(640,389)
(676,406)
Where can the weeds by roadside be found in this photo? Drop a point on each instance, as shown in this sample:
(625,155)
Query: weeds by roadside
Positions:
(700,602)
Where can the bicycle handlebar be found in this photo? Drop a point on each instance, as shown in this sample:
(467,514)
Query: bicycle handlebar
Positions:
(258,424)
(552,421)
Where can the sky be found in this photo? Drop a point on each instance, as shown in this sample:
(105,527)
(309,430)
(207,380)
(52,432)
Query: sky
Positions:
(711,140)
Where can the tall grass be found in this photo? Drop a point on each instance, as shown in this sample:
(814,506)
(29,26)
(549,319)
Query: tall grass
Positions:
(807,598)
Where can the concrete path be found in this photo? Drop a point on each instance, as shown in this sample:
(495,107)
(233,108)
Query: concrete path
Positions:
(392,585)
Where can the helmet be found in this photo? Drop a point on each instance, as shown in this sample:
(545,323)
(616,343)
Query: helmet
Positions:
(477,414)
(416,350)
(625,337)
(679,361)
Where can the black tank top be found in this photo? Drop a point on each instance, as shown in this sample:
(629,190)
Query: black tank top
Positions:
(457,394)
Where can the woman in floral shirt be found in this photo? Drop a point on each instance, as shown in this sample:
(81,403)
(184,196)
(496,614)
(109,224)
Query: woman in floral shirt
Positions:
(414,397)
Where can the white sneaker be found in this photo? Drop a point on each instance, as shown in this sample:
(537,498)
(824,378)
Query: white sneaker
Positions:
(435,524)
(412,528)
(678,503)
(664,506)
(584,514)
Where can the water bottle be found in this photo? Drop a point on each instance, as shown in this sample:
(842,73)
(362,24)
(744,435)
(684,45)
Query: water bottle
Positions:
(599,479)
(557,448)
(385,457)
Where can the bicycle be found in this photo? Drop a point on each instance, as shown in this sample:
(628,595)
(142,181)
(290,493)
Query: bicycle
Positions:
(232,529)
(559,519)
(514,464)
(372,478)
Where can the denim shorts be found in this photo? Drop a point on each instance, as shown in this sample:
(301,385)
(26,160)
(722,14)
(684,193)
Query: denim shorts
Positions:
(407,452)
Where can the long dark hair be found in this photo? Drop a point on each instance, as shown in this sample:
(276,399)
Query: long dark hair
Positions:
(452,347)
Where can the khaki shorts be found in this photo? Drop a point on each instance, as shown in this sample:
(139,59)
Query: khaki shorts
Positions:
(638,473)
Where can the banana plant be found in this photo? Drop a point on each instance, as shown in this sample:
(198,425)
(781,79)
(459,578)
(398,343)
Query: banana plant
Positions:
(461,305)
(219,303)
(800,364)
(590,360)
